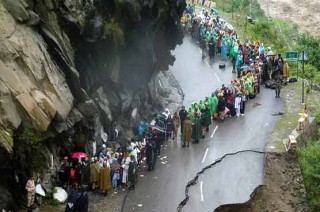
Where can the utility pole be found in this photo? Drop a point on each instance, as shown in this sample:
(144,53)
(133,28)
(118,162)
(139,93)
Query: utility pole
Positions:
(303,58)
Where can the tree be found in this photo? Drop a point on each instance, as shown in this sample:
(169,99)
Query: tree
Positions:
(311,45)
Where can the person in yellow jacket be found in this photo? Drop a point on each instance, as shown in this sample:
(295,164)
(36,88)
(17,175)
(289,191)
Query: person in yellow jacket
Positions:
(286,72)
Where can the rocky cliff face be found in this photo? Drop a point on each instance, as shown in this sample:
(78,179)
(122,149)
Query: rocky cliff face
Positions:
(68,69)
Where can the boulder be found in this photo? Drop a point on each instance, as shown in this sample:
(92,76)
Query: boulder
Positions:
(87,109)
(30,79)
(9,114)
(34,19)
(18,9)
(7,24)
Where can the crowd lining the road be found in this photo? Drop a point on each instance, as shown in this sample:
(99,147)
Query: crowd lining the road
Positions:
(118,168)
(254,66)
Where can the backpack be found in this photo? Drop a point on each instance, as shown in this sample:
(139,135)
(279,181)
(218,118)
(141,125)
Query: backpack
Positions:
(292,80)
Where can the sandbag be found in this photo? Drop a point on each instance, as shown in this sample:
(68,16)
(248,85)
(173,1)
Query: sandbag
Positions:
(252,96)
(222,65)
(292,80)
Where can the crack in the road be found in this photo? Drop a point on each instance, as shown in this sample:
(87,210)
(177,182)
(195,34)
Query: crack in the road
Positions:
(194,181)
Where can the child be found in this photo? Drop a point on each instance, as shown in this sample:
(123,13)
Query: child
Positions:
(115,178)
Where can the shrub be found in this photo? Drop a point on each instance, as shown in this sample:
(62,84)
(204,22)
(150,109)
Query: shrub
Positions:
(309,160)
(317,116)
(114,31)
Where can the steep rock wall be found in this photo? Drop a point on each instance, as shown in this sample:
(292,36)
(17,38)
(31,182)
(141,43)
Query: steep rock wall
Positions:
(71,68)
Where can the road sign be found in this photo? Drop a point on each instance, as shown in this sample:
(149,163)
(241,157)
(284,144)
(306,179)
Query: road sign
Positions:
(292,56)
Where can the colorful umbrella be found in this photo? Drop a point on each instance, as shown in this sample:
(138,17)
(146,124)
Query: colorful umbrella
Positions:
(74,155)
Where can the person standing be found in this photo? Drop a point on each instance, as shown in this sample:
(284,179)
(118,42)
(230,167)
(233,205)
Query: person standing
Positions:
(94,172)
(125,166)
(64,171)
(243,103)
(85,173)
(278,81)
(132,173)
(213,102)
(176,122)
(182,114)
(187,133)
(197,126)
(286,72)
(157,139)
(31,189)
(151,154)
(170,127)
(205,118)
(237,103)
(105,179)
(221,107)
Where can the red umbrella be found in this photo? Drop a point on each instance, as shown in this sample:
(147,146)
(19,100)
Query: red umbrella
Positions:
(74,155)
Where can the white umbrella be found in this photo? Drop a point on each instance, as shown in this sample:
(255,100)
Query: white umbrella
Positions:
(60,194)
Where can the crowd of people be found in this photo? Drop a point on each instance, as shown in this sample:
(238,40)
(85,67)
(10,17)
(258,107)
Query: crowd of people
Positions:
(217,37)
(118,168)
(254,65)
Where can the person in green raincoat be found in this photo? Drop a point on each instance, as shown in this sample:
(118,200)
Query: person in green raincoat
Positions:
(233,54)
(190,112)
(248,85)
(215,39)
(206,101)
(213,102)
(201,105)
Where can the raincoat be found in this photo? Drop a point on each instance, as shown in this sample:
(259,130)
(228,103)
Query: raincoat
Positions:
(286,73)
(213,102)
(94,172)
(105,179)
(187,131)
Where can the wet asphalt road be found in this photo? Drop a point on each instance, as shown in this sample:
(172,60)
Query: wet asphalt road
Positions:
(230,181)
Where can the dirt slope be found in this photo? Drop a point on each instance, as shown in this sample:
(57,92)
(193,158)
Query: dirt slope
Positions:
(303,13)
